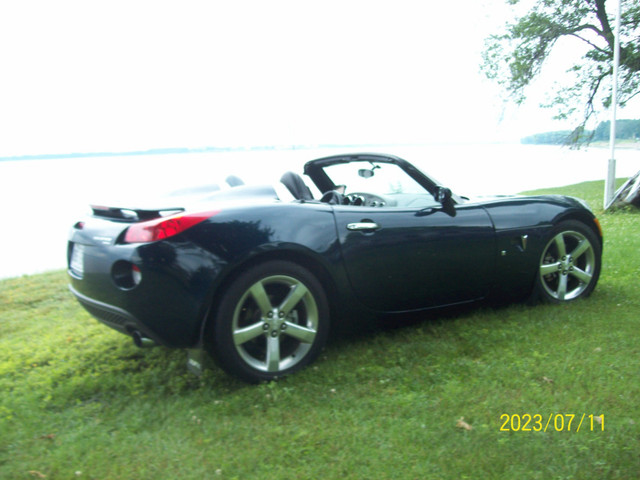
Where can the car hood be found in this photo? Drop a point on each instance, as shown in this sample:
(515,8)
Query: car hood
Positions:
(563,200)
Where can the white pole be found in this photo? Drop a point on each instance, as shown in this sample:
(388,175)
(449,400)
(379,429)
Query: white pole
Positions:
(609,186)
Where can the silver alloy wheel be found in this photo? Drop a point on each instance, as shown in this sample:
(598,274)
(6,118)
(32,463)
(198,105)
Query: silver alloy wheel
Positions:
(568,265)
(275,323)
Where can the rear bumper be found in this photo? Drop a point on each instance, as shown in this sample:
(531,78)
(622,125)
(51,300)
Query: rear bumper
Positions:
(114,317)
(168,305)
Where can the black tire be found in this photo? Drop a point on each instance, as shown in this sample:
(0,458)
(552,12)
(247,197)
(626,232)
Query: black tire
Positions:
(272,321)
(569,266)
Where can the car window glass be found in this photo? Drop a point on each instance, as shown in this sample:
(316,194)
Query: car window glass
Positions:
(387,179)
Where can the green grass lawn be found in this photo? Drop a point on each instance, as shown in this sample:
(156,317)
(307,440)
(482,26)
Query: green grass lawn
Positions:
(80,401)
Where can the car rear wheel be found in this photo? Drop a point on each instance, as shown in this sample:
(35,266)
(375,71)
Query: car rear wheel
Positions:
(570,263)
(272,321)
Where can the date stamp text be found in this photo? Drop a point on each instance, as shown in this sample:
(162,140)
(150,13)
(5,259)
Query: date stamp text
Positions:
(553,422)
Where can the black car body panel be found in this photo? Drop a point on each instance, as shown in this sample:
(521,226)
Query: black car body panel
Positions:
(187,270)
(383,253)
(445,259)
(522,226)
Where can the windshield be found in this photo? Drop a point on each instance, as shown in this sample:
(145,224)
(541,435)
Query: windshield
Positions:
(378,178)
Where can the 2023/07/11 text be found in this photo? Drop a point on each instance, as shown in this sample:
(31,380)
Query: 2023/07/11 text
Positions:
(555,422)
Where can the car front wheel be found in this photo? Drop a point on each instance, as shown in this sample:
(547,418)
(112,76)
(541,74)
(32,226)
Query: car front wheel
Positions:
(570,263)
(272,321)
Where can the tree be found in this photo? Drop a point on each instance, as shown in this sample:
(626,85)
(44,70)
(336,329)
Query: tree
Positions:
(515,57)
(625,130)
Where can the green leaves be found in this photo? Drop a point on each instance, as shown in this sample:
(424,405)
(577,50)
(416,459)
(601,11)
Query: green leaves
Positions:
(517,57)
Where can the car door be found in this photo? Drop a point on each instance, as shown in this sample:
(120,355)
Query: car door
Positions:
(401,259)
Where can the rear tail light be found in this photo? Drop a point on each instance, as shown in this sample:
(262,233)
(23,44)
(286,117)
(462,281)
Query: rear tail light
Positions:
(164,227)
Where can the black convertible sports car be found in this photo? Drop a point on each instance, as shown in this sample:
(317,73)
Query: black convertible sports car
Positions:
(255,274)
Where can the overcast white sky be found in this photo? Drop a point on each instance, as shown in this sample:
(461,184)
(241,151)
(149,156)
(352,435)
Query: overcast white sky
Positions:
(83,76)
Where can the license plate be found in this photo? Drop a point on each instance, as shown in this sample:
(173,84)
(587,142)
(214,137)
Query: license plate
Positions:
(77,259)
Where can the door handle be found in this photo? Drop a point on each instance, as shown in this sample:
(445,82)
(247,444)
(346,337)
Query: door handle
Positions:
(360,226)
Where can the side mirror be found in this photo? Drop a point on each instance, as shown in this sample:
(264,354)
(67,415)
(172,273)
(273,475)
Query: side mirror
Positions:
(443,195)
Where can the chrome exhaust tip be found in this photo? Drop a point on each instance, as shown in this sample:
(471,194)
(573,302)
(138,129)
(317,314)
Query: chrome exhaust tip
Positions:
(140,341)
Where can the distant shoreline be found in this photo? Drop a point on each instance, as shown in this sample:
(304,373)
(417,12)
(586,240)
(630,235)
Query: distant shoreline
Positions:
(185,151)
(625,144)
(153,151)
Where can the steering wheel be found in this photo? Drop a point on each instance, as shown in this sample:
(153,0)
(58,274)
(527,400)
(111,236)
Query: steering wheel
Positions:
(332,197)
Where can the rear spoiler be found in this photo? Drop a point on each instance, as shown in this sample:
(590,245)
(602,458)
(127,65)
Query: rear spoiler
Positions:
(132,214)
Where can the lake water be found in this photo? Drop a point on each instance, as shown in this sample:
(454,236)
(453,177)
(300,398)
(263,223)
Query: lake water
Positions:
(43,198)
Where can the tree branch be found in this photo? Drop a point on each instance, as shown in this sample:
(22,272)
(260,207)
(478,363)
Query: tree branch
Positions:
(601,13)
(588,42)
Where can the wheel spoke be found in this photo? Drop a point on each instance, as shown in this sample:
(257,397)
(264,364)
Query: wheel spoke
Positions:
(292,299)
(262,299)
(562,287)
(305,335)
(581,275)
(582,247)
(549,268)
(243,335)
(559,241)
(273,354)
